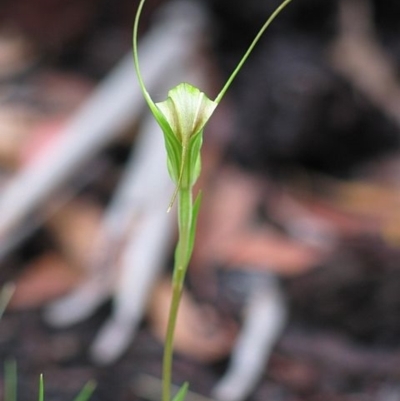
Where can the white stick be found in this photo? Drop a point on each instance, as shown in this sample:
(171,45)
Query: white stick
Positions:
(116,102)
(143,194)
(264,319)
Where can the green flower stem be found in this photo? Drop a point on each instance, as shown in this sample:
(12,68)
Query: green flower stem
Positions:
(168,346)
(182,257)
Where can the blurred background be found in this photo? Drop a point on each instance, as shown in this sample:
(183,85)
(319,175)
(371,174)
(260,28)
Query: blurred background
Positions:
(301,182)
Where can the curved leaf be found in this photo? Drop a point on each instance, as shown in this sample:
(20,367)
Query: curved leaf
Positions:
(180,396)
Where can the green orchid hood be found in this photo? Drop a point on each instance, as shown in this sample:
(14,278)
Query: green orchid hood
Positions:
(182,118)
(186,110)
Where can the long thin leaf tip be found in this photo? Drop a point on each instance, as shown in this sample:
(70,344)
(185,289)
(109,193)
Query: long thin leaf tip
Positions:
(136,57)
(86,391)
(250,49)
(41,388)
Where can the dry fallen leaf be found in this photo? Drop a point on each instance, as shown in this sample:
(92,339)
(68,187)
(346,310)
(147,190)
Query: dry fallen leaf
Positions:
(199,333)
(74,228)
(46,278)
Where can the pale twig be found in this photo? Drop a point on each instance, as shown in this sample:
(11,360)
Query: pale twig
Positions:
(136,231)
(6,294)
(357,54)
(264,318)
(114,104)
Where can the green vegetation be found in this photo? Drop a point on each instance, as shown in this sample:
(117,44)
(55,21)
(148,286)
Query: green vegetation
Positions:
(182,118)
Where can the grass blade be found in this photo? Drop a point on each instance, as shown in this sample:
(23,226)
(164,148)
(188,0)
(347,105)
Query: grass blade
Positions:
(180,396)
(41,388)
(86,392)
(10,381)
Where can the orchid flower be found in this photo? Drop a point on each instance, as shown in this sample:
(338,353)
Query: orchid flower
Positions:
(182,118)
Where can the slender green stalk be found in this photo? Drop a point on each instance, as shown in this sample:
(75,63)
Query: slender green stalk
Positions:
(169,342)
(182,256)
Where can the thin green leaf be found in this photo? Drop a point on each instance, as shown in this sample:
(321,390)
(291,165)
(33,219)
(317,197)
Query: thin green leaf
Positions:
(192,233)
(174,150)
(171,166)
(191,161)
(183,164)
(180,396)
(146,95)
(86,392)
(195,157)
(250,49)
(41,388)
(10,381)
